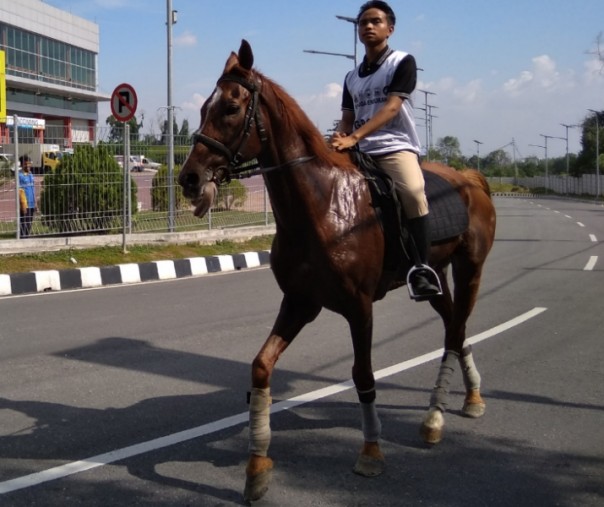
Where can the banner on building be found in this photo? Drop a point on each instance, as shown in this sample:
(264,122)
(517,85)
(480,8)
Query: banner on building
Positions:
(27,123)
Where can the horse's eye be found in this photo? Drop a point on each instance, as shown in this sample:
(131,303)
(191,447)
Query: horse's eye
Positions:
(232,109)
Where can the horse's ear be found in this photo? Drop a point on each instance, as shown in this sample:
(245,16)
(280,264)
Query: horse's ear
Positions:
(246,57)
(231,62)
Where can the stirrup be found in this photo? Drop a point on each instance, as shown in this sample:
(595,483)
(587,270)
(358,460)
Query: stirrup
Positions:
(432,277)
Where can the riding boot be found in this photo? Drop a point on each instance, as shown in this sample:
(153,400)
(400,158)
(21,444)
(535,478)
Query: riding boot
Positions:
(422,279)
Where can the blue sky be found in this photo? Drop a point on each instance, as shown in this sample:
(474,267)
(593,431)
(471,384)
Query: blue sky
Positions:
(500,70)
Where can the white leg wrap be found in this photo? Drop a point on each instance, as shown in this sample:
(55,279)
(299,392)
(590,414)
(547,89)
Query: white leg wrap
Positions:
(372,427)
(471,377)
(260,424)
(440,393)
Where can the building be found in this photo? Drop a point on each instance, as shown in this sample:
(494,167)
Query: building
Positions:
(51,74)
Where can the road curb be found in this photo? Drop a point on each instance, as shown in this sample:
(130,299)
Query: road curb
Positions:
(91,277)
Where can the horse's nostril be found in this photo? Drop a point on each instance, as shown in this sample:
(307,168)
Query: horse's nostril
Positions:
(191,180)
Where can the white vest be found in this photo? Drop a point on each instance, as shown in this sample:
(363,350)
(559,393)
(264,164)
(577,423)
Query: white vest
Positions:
(369,94)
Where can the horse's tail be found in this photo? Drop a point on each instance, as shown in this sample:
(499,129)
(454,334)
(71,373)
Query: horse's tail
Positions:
(476,178)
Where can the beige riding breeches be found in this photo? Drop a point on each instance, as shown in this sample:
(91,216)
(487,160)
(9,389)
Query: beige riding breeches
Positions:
(403,167)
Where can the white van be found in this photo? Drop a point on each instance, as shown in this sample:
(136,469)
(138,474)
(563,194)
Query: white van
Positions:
(146,162)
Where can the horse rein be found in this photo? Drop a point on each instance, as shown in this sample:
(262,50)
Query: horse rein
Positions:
(252,116)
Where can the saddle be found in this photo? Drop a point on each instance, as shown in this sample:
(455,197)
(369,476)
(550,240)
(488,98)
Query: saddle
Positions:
(448,214)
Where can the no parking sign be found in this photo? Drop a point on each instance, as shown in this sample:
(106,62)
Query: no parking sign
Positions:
(123,102)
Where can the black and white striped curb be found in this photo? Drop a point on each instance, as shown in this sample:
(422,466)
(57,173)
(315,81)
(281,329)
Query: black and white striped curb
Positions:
(90,277)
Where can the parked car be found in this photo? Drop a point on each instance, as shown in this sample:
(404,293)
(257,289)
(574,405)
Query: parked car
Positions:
(135,164)
(146,162)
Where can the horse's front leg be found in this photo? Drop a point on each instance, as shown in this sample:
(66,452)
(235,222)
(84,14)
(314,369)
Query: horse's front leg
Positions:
(370,461)
(293,316)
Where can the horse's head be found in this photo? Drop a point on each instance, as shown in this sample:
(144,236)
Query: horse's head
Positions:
(228,133)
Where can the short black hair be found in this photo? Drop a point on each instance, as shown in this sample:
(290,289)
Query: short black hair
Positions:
(24,158)
(382,6)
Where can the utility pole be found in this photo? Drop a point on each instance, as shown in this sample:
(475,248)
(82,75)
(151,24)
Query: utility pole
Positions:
(427,112)
(597,153)
(545,148)
(514,159)
(546,169)
(478,143)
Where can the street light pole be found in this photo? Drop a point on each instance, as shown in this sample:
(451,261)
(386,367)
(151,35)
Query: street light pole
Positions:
(567,157)
(170,20)
(546,169)
(597,153)
(351,57)
(478,143)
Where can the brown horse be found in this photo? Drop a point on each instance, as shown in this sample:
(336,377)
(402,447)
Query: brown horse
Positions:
(329,247)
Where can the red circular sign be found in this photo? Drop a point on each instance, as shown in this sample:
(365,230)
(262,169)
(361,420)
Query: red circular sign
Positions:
(123,102)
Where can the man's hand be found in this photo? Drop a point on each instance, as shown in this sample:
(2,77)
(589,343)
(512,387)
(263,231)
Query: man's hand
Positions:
(342,142)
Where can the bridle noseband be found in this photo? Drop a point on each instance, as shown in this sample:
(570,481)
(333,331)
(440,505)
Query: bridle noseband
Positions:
(252,117)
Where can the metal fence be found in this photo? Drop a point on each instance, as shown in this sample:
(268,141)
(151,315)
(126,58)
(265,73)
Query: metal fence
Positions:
(584,185)
(90,192)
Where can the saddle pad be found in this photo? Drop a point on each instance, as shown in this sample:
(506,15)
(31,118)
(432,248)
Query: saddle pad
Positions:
(448,214)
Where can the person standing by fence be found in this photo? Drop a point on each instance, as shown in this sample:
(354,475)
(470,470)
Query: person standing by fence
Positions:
(28,205)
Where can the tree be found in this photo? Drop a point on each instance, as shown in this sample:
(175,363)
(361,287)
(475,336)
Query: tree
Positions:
(586,160)
(116,129)
(497,160)
(85,192)
(160,190)
(164,129)
(184,129)
(448,147)
(232,195)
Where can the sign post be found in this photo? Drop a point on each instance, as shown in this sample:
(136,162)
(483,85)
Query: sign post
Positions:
(123,107)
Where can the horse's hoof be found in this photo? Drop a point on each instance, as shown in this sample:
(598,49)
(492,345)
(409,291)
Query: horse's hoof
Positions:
(431,430)
(370,461)
(473,406)
(473,410)
(368,466)
(258,476)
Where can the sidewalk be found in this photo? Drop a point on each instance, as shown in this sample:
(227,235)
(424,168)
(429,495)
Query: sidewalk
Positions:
(89,277)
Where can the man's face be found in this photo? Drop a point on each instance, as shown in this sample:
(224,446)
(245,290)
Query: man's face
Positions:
(374,27)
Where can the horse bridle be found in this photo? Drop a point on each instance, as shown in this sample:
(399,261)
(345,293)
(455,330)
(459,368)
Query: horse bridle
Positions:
(252,117)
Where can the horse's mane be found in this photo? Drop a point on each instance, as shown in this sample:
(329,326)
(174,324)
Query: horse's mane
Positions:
(295,118)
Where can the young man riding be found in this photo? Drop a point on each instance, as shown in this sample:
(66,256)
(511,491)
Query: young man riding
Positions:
(377,115)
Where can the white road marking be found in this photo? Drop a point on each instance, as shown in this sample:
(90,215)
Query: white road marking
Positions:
(567,216)
(99,460)
(580,224)
(593,238)
(591,263)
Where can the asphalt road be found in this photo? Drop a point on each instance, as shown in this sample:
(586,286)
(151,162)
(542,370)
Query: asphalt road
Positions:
(135,395)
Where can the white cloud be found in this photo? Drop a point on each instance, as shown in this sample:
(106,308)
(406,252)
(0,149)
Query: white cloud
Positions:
(187,39)
(195,103)
(323,108)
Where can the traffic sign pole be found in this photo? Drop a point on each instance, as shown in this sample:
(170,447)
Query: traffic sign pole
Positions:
(123,107)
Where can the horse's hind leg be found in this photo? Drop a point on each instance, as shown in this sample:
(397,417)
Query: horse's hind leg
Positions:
(293,316)
(455,313)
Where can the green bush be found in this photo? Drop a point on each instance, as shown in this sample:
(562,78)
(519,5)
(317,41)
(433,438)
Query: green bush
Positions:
(159,190)
(85,193)
(231,196)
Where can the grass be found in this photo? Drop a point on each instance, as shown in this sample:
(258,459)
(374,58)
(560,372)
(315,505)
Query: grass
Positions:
(107,256)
